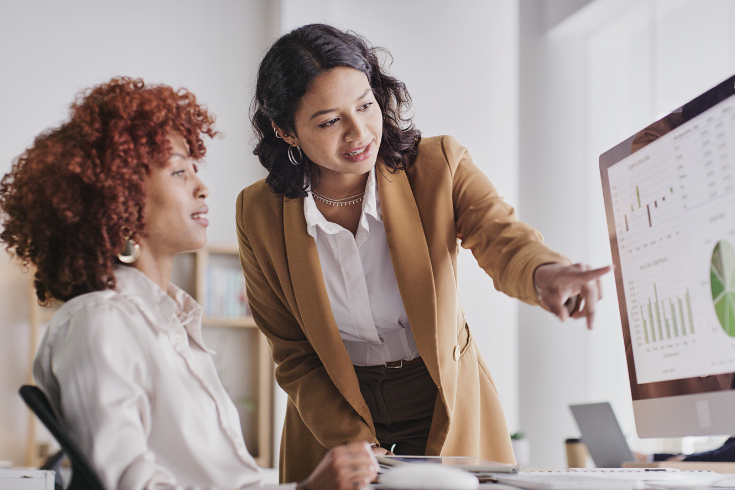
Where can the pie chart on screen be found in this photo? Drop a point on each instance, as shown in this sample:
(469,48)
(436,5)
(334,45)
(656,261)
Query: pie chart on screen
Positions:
(722,279)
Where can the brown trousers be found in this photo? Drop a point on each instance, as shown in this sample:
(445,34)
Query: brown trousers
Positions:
(401,402)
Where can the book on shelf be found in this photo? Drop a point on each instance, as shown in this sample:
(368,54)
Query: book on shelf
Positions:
(225,293)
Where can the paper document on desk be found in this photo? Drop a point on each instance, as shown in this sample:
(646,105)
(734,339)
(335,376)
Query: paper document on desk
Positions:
(473,465)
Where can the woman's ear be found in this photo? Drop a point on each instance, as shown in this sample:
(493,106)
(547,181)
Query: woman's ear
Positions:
(285,136)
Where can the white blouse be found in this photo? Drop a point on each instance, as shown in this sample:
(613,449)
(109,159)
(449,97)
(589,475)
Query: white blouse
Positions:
(361,284)
(129,374)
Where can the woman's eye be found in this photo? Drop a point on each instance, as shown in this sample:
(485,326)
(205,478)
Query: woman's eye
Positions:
(365,106)
(329,123)
(178,173)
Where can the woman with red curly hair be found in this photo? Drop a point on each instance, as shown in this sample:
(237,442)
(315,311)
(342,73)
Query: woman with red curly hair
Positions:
(99,207)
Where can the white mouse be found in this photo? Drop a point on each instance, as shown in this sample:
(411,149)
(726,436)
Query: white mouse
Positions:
(418,476)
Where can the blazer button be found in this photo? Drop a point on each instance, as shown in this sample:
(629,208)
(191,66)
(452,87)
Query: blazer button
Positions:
(456,353)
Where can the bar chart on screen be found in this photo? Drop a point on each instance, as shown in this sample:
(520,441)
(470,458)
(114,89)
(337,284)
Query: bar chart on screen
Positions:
(666,318)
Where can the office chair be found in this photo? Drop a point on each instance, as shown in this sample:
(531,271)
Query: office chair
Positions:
(83,476)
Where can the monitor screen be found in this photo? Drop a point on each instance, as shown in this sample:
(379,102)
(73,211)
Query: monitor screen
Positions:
(669,193)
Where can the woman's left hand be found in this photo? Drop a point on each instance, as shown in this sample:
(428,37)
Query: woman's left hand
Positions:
(349,467)
(558,283)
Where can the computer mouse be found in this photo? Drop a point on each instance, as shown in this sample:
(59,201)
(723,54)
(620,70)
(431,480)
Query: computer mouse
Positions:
(419,476)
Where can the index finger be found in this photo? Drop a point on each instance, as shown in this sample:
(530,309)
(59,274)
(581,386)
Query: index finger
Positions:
(593,274)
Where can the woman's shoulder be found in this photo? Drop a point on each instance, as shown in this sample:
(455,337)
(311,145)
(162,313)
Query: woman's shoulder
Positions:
(256,192)
(91,322)
(258,205)
(93,331)
(259,196)
(442,151)
(106,299)
(98,310)
(438,142)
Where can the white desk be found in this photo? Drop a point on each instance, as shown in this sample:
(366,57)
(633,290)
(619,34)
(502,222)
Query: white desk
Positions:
(26,479)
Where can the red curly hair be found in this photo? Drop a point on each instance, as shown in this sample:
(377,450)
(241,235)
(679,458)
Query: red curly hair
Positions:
(71,200)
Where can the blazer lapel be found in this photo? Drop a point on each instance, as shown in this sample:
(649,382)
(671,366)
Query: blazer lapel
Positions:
(314,310)
(411,261)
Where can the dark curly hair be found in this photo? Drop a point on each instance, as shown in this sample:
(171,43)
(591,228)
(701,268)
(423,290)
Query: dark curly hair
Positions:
(284,76)
(72,198)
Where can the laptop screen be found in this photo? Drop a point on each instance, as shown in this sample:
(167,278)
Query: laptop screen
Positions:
(602,434)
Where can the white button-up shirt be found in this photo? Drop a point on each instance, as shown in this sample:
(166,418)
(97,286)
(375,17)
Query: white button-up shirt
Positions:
(361,284)
(129,374)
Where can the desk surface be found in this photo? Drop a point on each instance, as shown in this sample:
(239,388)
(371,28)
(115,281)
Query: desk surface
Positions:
(687,466)
(27,479)
(614,479)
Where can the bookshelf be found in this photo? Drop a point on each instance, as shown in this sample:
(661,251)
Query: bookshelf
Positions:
(214,278)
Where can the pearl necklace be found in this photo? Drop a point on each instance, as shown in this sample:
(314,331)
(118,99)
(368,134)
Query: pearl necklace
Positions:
(346,201)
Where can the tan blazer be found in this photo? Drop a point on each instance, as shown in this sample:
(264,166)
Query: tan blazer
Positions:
(442,201)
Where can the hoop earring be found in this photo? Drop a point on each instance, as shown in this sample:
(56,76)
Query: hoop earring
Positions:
(292,158)
(277,135)
(130,253)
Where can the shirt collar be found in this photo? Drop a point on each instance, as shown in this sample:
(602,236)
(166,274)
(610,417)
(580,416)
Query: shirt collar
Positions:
(370,206)
(160,306)
(371,201)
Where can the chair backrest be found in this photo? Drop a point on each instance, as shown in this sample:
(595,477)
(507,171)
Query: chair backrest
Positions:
(83,477)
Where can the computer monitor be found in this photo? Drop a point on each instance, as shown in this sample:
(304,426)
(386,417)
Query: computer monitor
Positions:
(669,194)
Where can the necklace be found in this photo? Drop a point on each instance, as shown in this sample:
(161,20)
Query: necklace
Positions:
(345,201)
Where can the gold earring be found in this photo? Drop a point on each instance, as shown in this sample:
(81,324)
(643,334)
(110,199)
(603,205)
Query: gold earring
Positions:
(130,253)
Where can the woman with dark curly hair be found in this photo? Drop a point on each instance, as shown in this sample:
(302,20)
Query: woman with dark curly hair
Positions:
(349,250)
(99,207)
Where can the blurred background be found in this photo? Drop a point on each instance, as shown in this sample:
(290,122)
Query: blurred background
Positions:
(535,89)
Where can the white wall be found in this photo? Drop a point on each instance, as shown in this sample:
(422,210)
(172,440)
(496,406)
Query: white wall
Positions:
(553,358)
(50,50)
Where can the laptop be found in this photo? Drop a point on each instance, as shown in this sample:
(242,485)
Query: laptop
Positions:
(602,435)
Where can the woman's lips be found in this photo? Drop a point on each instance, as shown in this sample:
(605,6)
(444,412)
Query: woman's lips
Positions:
(199,217)
(359,154)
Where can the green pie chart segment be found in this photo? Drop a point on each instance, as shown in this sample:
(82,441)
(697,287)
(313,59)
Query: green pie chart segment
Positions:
(722,279)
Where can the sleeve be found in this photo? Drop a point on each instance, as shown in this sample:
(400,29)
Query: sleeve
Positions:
(300,372)
(507,249)
(101,370)
(724,453)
